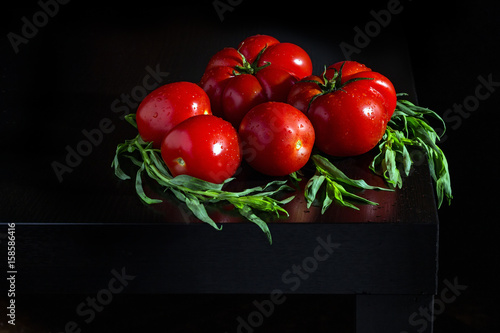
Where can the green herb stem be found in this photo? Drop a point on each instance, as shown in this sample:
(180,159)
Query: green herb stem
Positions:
(197,193)
(330,185)
(410,127)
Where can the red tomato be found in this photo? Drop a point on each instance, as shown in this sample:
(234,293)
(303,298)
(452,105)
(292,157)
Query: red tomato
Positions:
(242,93)
(349,113)
(353,70)
(251,46)
(348,122)
(289,57)
(348,68)
(277,139)
(205,147)
(273,66)
(167,106)
(303,91)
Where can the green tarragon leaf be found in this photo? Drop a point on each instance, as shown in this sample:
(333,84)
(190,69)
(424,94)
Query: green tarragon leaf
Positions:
(194,192)
(248,213)
(312,188)
(325,167)
(140,190)
(334,183)
(410,126)
(199,210)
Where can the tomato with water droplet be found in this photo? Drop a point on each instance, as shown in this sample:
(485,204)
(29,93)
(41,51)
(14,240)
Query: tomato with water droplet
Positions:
(205,146)
(167,106)
(349,107)
(276,138)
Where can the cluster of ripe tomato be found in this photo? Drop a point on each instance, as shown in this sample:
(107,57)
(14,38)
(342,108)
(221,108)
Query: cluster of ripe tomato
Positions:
(261,103)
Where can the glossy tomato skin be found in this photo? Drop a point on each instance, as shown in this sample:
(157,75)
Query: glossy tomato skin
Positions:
(251,46)
(214,83)
(279,66)
(275,82)
(220,69)
(206,147)
(353,70)
(348,68)
(349,113)
(227,57)
(302,92)
(167,106)
(289,57)
(381,85)
(348,122)
(276,138)
(241,93)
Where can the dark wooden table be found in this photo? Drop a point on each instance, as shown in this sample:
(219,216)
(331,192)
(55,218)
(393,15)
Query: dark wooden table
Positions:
(72,234)
(385,255)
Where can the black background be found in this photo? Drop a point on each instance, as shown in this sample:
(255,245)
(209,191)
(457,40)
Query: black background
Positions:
(45,91)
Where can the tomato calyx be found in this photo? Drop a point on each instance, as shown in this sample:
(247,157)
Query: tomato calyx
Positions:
(334,83)
(250,68)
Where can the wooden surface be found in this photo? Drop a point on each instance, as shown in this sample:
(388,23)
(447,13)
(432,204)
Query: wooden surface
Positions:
(373,259)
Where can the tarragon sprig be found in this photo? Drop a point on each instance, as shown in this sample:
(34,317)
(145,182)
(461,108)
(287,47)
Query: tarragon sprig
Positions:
(330,185)
(197,193)
(409,126)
